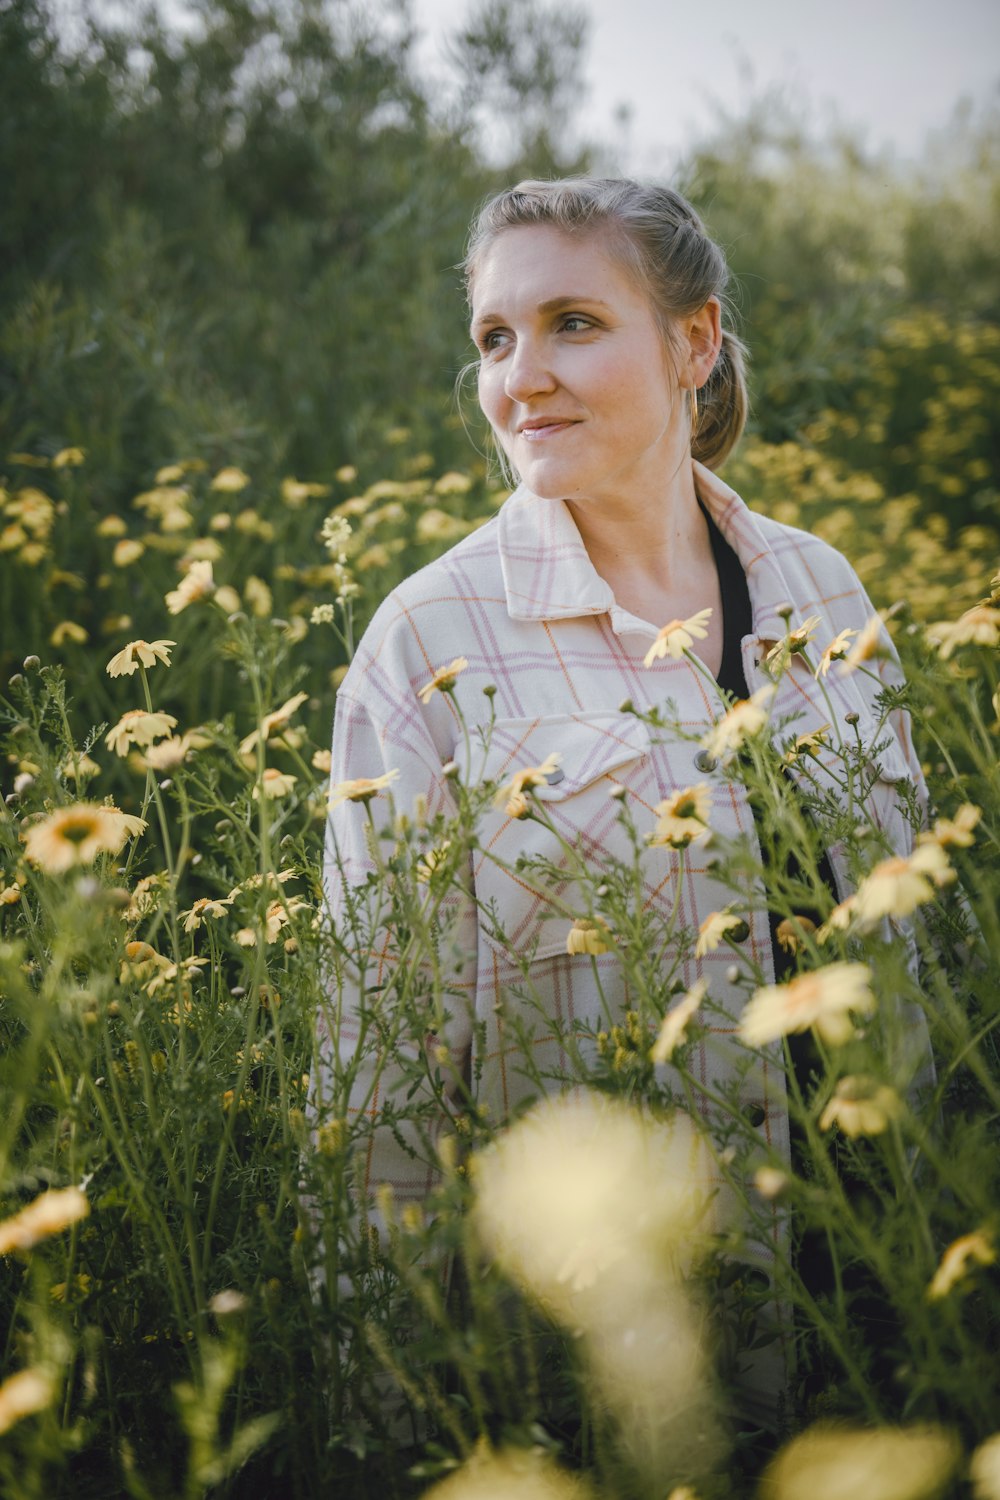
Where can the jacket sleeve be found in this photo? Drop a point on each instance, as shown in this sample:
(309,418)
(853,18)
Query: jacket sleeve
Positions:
(395,1033)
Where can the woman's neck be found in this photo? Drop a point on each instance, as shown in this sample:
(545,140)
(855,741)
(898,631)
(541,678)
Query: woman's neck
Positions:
(655,552)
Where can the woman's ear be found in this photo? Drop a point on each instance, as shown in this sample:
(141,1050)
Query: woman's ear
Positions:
(704,332)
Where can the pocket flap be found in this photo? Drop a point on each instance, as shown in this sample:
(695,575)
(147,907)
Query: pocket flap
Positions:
(588,746)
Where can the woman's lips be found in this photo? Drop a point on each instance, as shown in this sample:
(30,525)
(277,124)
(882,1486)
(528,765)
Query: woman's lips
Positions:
(536,431)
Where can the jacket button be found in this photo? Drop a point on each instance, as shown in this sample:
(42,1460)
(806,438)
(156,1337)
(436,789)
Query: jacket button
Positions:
(554,777)
(703,761)
(738,933)
(755,1115)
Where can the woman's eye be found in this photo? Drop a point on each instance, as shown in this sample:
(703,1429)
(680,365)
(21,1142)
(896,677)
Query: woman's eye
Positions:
(576,324)
(492,340)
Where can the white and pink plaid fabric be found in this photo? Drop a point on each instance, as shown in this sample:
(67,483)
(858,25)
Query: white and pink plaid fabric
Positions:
(522,601)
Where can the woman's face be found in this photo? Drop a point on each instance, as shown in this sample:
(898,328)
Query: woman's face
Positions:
(574,376)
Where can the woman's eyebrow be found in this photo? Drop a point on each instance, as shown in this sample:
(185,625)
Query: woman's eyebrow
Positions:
(552,305)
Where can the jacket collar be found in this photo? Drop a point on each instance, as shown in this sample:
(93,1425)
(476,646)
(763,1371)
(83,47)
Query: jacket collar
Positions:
(548,574)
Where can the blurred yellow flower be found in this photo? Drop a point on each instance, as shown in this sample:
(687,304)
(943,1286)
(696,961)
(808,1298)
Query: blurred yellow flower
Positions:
(822,999)
(346,474)
(897,886)
(227,598)
(834,1462)
(170,474)
(984,1470)
(682,819)
(677,637)
(77,834)
(230,481)
(48,1214)
(69,458)
(137,727)
(68,630)
(111,525)
(274,783)
(322,760)
(713,930)
(869,645)
(954,831)
(584,1190)
(361,789)
(127,551)
(443,680)
(835,651)
(791,932)
(78,768)
(436,525)
(745,720)
(674,1027)
(960,1260)
(807,744)
(512,792)
(259,599)
(169,753)
(277,719)
(979,626)
(295,493)
(588,936)
(23,1394)
(771,1182)
(861,1106)
(197,583)
(139,653)
(509,1474)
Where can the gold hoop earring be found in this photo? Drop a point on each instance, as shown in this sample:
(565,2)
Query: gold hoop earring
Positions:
(694,412)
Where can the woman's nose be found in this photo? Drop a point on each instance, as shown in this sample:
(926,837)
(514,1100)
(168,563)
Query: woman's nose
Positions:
(528,373)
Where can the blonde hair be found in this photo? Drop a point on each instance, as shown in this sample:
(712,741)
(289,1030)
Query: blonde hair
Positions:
(661,240)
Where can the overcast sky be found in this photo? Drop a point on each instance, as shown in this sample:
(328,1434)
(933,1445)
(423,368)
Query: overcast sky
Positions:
(894,68)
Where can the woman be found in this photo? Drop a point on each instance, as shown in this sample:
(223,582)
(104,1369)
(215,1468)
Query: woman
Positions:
(613,391)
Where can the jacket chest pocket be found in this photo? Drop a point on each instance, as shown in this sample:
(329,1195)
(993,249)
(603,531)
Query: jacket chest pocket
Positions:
(526,868)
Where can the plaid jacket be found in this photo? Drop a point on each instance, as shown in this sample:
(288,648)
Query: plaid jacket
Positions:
(522,601)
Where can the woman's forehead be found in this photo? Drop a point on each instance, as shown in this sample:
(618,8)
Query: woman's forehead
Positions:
(544,264)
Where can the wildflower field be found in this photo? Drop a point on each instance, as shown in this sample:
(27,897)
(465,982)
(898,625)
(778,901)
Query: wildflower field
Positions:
(591,1298)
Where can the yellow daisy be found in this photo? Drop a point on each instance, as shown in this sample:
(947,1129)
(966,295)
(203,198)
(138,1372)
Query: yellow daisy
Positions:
(746,718)
(277,719)
(822,999)
(137,727)
(274,784)
(513,792)
(77,834)
(869,645)
(682,819)
(835,651)
(713,930)
(361,789)
(443,680)
(678,636)
(587,936)
(139,653)
(674,1026)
